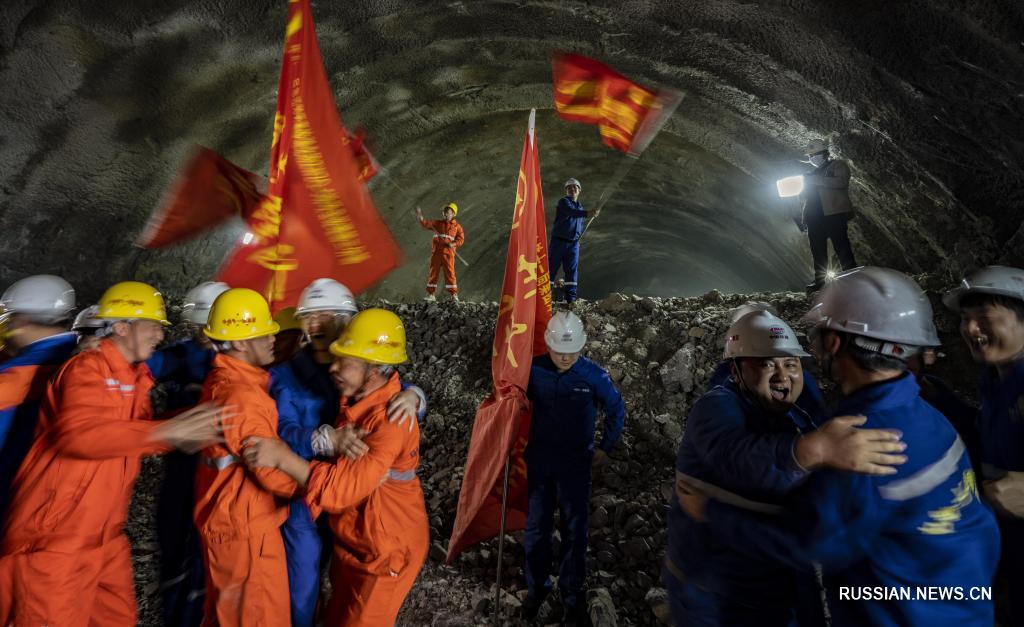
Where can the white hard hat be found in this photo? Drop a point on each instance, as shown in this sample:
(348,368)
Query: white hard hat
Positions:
(200,299)
(86,319)
(326,295)
(572,182)
(815,146)
(749,307)
(876,303)
(565,333)
(44,297)
(761,334)
(995,280)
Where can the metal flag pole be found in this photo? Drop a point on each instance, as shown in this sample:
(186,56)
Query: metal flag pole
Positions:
(501,545)
(609,189)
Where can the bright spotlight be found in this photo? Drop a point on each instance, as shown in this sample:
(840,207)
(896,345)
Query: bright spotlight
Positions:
(790,186)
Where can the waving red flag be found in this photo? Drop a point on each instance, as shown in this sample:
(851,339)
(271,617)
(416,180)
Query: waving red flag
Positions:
(317,219)
(502,422)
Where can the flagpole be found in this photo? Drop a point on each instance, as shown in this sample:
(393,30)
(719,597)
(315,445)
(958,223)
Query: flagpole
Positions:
(620,173)
(501,545)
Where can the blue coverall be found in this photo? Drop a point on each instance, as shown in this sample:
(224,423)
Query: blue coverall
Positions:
(924,526)
(23,380)
(810,400)
(564,251)
(180,369)
(741,452)
(558,458)
(1001,433)
(306,398)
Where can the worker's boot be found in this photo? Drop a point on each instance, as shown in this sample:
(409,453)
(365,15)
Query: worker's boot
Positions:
(455,298)
(531,607)
(430,298)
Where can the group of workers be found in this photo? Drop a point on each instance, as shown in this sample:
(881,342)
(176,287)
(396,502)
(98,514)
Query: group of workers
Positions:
(876,502)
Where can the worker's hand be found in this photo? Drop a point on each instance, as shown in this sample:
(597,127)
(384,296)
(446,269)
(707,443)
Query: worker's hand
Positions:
(419,214)
(1007,494)
(840,445)
(348,441)
(264,452)
(196,428)
(597,212)
(600,458)
(692,501)
(403,408)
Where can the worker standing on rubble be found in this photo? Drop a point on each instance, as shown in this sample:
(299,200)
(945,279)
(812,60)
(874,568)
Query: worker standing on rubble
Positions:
(239,510)
(923,526)
(308,403)
(374,502)
(566,390)
(64,558)
(826,211)
(448,237)
(564,251)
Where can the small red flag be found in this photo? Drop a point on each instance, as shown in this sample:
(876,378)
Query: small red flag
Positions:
(208,190)
(502,422)
(317,219)
(627,114)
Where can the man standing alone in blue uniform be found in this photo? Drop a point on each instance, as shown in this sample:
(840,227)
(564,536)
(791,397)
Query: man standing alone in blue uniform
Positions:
(566,390)
(564,251)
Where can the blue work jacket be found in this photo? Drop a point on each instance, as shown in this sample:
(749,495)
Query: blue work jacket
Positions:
(570,219)
(182,369)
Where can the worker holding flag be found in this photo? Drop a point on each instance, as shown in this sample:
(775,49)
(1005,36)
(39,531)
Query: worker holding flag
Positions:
(564,251)
(448,237)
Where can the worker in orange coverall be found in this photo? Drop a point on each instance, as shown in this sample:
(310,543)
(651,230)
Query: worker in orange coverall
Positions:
(64,558)
(239,511)
(448,236)
(371,493)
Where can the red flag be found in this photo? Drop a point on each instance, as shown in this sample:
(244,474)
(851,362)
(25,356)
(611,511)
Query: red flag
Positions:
(503,420)
(627,114)
(208,190)
(317,219)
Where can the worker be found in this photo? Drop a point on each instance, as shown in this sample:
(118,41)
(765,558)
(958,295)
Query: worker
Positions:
(36,313)
(749,442)
(181,369)
(374,501)
(288,340)
(63,548)
(826,211)
(307,405)
(990,302)
(239,510)
(566,390)
(86,328)
(922,527)
(448,238)
(564,251)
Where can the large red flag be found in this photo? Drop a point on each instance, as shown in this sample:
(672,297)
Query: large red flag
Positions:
(317,218)
(503,420)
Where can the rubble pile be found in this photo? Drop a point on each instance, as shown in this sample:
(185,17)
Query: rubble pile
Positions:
(660,352)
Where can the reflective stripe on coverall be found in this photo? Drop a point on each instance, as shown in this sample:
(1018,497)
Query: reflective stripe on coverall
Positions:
(63,546)
(377,514)
(441,254)
(239,510)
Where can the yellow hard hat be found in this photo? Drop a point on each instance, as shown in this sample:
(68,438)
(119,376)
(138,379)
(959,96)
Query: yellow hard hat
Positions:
(453,207)
(287,321)
(132,300)
(373,335)
(240,314)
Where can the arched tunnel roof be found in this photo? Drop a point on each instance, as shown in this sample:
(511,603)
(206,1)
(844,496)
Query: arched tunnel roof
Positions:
(923,99)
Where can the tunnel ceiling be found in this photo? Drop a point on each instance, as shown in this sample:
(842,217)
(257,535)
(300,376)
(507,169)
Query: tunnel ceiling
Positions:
(925,100)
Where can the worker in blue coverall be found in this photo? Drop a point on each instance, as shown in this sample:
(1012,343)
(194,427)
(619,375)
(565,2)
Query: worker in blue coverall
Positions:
(564,251)
(307,404)
(881,540)
(566,390)
(34,314)
(990,302)
(749,443)
(180,369)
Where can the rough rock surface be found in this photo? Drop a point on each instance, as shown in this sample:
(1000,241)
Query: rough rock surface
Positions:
(634,338)
(924,98)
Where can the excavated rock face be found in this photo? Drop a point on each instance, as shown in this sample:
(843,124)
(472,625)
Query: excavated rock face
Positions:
(660,353)
(923,99)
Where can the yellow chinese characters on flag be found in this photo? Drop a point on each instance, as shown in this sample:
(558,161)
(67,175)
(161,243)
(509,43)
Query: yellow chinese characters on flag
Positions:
(317,218)
(502,422)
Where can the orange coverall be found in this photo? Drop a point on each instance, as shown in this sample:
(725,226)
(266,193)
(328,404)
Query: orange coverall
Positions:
(376,513)
(63,557)
(443,255)
(239,510)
